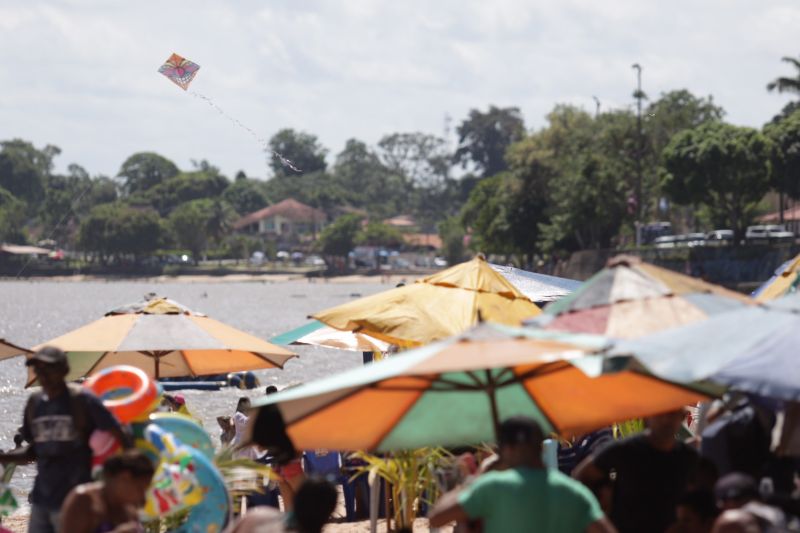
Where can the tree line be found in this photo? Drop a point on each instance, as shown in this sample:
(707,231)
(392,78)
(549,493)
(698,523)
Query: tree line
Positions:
(581,181)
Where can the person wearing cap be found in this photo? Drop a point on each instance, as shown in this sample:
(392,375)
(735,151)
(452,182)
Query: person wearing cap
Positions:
(58,421)
(652,469)
(742,511)
(526,496)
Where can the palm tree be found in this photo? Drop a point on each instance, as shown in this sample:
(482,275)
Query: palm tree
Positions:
(789,85)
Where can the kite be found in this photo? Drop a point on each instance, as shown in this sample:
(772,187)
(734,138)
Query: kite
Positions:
(179,70)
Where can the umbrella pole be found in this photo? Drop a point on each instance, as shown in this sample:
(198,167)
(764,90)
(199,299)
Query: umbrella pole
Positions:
(491,391)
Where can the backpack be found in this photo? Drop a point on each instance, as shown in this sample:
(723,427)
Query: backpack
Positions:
(77,408)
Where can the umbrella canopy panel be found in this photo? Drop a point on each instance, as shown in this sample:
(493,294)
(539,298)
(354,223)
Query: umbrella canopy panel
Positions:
(753,350)
(434,308)
(537,287)
(165,344)
(785,281)
(456,391)
(10,350)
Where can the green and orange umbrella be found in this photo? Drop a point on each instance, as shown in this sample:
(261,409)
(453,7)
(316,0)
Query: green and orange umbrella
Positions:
(165,339)
(630,298)
(455,392)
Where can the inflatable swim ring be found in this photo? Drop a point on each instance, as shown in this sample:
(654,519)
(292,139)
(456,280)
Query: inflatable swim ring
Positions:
(126,391)
(185,430)
(186,478)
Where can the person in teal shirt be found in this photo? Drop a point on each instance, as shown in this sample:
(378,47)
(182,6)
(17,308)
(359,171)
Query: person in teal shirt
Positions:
(526,497)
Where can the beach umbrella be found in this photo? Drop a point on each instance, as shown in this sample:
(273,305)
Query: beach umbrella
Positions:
(630,298)
(754,350)
(538,287)
(316,333)
(434,307)
(455,392)
(785,281)
(10,350)
(165,339)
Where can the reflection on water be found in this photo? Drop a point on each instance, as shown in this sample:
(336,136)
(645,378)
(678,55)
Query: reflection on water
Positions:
(32,312)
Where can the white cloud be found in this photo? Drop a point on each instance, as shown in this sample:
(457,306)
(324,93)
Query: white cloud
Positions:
(81,74)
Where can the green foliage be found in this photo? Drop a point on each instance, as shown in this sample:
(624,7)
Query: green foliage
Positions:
(378,234)
(410,475)
(246,195)
(145,170)
(785,135)
(628,428)
(12,218)
(182,188)
(723,166)
(189,223)
(116,230)
(339,238)
(787,84)
(484,137)
(302,149)
(452,235)
(24,168)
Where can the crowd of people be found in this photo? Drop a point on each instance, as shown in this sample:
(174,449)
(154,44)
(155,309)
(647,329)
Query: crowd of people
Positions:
(662,480)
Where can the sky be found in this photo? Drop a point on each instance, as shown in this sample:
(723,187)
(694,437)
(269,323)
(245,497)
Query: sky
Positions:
(82,74)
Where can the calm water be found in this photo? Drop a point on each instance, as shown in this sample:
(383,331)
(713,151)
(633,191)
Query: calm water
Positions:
(31,312)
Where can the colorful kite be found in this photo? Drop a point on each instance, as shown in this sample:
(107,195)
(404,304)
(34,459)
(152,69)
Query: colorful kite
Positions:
(179,70)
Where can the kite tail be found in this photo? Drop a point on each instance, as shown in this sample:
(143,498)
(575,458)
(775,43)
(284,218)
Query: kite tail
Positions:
(264,144)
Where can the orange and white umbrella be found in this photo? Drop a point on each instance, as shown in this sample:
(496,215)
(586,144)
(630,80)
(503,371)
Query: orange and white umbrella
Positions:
(165,339)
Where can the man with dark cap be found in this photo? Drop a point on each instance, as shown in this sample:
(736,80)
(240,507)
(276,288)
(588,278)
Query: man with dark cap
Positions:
(58,421)
(526,497)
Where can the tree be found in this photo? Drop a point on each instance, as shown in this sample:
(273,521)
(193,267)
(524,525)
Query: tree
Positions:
(182,188)
(786,84)
(189,223)
(724,166)
(452,234)
(785,136)
(12,218)
(378,234)
(144,170)
(302,149)
(339,238)
(367,183)
(24,168)
(486,215)
(116,230)
(484,137)
(246,195)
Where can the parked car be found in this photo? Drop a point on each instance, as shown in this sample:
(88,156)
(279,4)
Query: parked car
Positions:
(693,239)
(666,241)
(440,262)
(768,233)
(719,237)
(315,260)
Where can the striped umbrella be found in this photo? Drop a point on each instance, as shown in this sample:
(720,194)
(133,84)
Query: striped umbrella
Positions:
(316,333)
(630,298)
(455,392)
(785,281)
(165,339)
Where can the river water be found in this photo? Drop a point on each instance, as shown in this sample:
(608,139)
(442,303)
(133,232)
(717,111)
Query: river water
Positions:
(31,312)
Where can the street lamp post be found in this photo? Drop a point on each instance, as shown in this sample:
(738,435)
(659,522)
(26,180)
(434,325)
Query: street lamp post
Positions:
(638,95)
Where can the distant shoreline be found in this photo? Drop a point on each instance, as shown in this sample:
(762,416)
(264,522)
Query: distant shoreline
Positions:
(387,279)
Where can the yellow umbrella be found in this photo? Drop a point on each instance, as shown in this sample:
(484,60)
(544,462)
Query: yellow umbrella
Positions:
(436,307)
(10,350)
(164,339)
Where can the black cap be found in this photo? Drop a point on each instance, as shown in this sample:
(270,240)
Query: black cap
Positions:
(520,430)
(49,355)
(735,486)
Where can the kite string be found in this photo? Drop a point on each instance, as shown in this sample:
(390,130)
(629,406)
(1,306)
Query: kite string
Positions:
(284,161)
(72,203)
